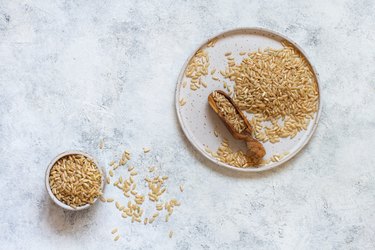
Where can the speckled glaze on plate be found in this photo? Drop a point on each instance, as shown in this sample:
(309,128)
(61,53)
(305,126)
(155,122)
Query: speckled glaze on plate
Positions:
(199,122)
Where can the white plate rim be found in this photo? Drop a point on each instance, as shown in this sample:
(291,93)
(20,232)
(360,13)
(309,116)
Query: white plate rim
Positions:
(248,169)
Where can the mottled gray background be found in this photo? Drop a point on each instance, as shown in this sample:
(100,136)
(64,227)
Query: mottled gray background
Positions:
(72,72)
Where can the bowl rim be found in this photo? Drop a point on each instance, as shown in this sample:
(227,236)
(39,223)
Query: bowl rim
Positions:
(248,169)
(48,170)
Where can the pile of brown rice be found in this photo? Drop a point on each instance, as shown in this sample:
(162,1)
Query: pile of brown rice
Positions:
(225,154)
(75,180)
(238,158)
(197,67)
(279,88)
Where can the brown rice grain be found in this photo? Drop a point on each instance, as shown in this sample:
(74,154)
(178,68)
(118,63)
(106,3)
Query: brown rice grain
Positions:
(146,150)
(133,173)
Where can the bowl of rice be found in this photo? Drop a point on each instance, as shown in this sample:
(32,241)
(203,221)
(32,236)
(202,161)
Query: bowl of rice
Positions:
(74,180)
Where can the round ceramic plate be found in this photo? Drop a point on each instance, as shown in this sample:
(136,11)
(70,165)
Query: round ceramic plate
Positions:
(197,119)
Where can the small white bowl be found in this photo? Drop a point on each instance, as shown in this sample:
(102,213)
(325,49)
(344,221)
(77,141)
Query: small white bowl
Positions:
(53,197)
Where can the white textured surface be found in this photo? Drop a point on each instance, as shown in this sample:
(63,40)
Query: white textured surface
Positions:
(73,72)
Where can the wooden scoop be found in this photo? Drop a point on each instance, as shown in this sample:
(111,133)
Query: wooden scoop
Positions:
(255,150)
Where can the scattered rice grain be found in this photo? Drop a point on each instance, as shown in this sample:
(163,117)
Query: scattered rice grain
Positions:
(146,150)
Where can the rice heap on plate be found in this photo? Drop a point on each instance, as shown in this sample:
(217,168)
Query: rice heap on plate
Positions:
(277,86)
(197,67)
(279,89)
(235,158)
